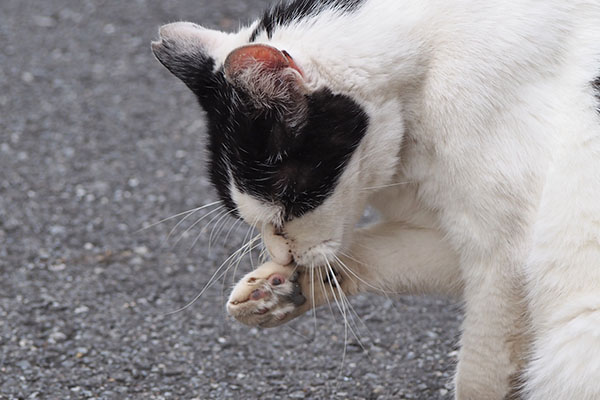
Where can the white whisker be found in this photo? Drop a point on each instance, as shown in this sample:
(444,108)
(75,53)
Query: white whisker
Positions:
(342,308)
(322,281)
(215,226)
(196,223)
(205,228)
(386,186)
(193,210)
(235,226)
(353,312)
(251,228)
(237,262)
(263,255)
(312,295)
(295,332)
(210,281)
(355,275)
(380,289)
(241,253)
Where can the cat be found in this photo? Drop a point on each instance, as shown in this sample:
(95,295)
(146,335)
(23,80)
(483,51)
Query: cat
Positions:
(472,127)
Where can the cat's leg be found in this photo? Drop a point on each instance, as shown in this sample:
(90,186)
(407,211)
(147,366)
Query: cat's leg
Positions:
(565,355)
(564,298)
(494,336)
(389,258)
(395,258)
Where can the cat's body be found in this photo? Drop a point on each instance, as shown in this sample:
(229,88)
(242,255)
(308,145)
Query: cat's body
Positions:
(471,126)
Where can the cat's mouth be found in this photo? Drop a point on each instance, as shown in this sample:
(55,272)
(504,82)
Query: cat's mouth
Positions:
(285,250)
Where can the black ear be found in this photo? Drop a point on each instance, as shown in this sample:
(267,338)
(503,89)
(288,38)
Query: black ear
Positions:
(188,52)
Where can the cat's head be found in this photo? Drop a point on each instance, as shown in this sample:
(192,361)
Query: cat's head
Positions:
(286,152)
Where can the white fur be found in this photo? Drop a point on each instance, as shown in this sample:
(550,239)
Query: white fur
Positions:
(485,110)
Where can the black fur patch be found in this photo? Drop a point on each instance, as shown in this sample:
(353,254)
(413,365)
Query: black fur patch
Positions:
(296,168)
(292,165)
(285,13)
(214,94)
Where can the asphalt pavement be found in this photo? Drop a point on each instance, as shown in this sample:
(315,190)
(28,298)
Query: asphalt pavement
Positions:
(97,140)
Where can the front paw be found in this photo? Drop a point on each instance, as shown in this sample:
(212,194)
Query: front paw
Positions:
(268,296)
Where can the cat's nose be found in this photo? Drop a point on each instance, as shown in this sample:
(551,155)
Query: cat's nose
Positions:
(277,245)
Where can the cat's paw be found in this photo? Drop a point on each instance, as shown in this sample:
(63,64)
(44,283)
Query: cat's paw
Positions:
(268,296)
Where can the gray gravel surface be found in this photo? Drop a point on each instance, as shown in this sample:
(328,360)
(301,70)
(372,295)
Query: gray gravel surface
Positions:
(96,141)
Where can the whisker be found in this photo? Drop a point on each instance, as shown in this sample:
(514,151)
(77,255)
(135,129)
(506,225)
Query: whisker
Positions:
(181,221)
(312,294)
(208,284)
(237,262)
(349,270)
(254,227)
(342,308)
(205,228)
(263,255)
(239,259)
(251,227)
(380,289)
(235,226)
(248,245)
(196,223)
(215,226)
(242,255)
(348,306)
(231,221)
(322,281)
(386,186)
(193,210)
(353,312)
(295,332)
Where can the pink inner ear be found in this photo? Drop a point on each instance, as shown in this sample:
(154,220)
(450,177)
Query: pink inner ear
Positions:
(268,57)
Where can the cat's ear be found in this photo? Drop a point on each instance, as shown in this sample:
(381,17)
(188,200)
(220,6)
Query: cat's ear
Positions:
(192,53)
(261,58)
(270,76)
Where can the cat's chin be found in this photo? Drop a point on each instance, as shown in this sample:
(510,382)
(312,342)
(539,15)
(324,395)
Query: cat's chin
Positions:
(285,250)
(322,254)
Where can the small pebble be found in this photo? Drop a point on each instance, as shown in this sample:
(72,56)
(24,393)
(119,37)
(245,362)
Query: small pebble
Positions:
(299,394)
(81,309)
(140,250)
(43,21)
(56,337)
(27,77)
(57,267)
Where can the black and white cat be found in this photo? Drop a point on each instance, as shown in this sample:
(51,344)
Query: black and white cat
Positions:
(472,126)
